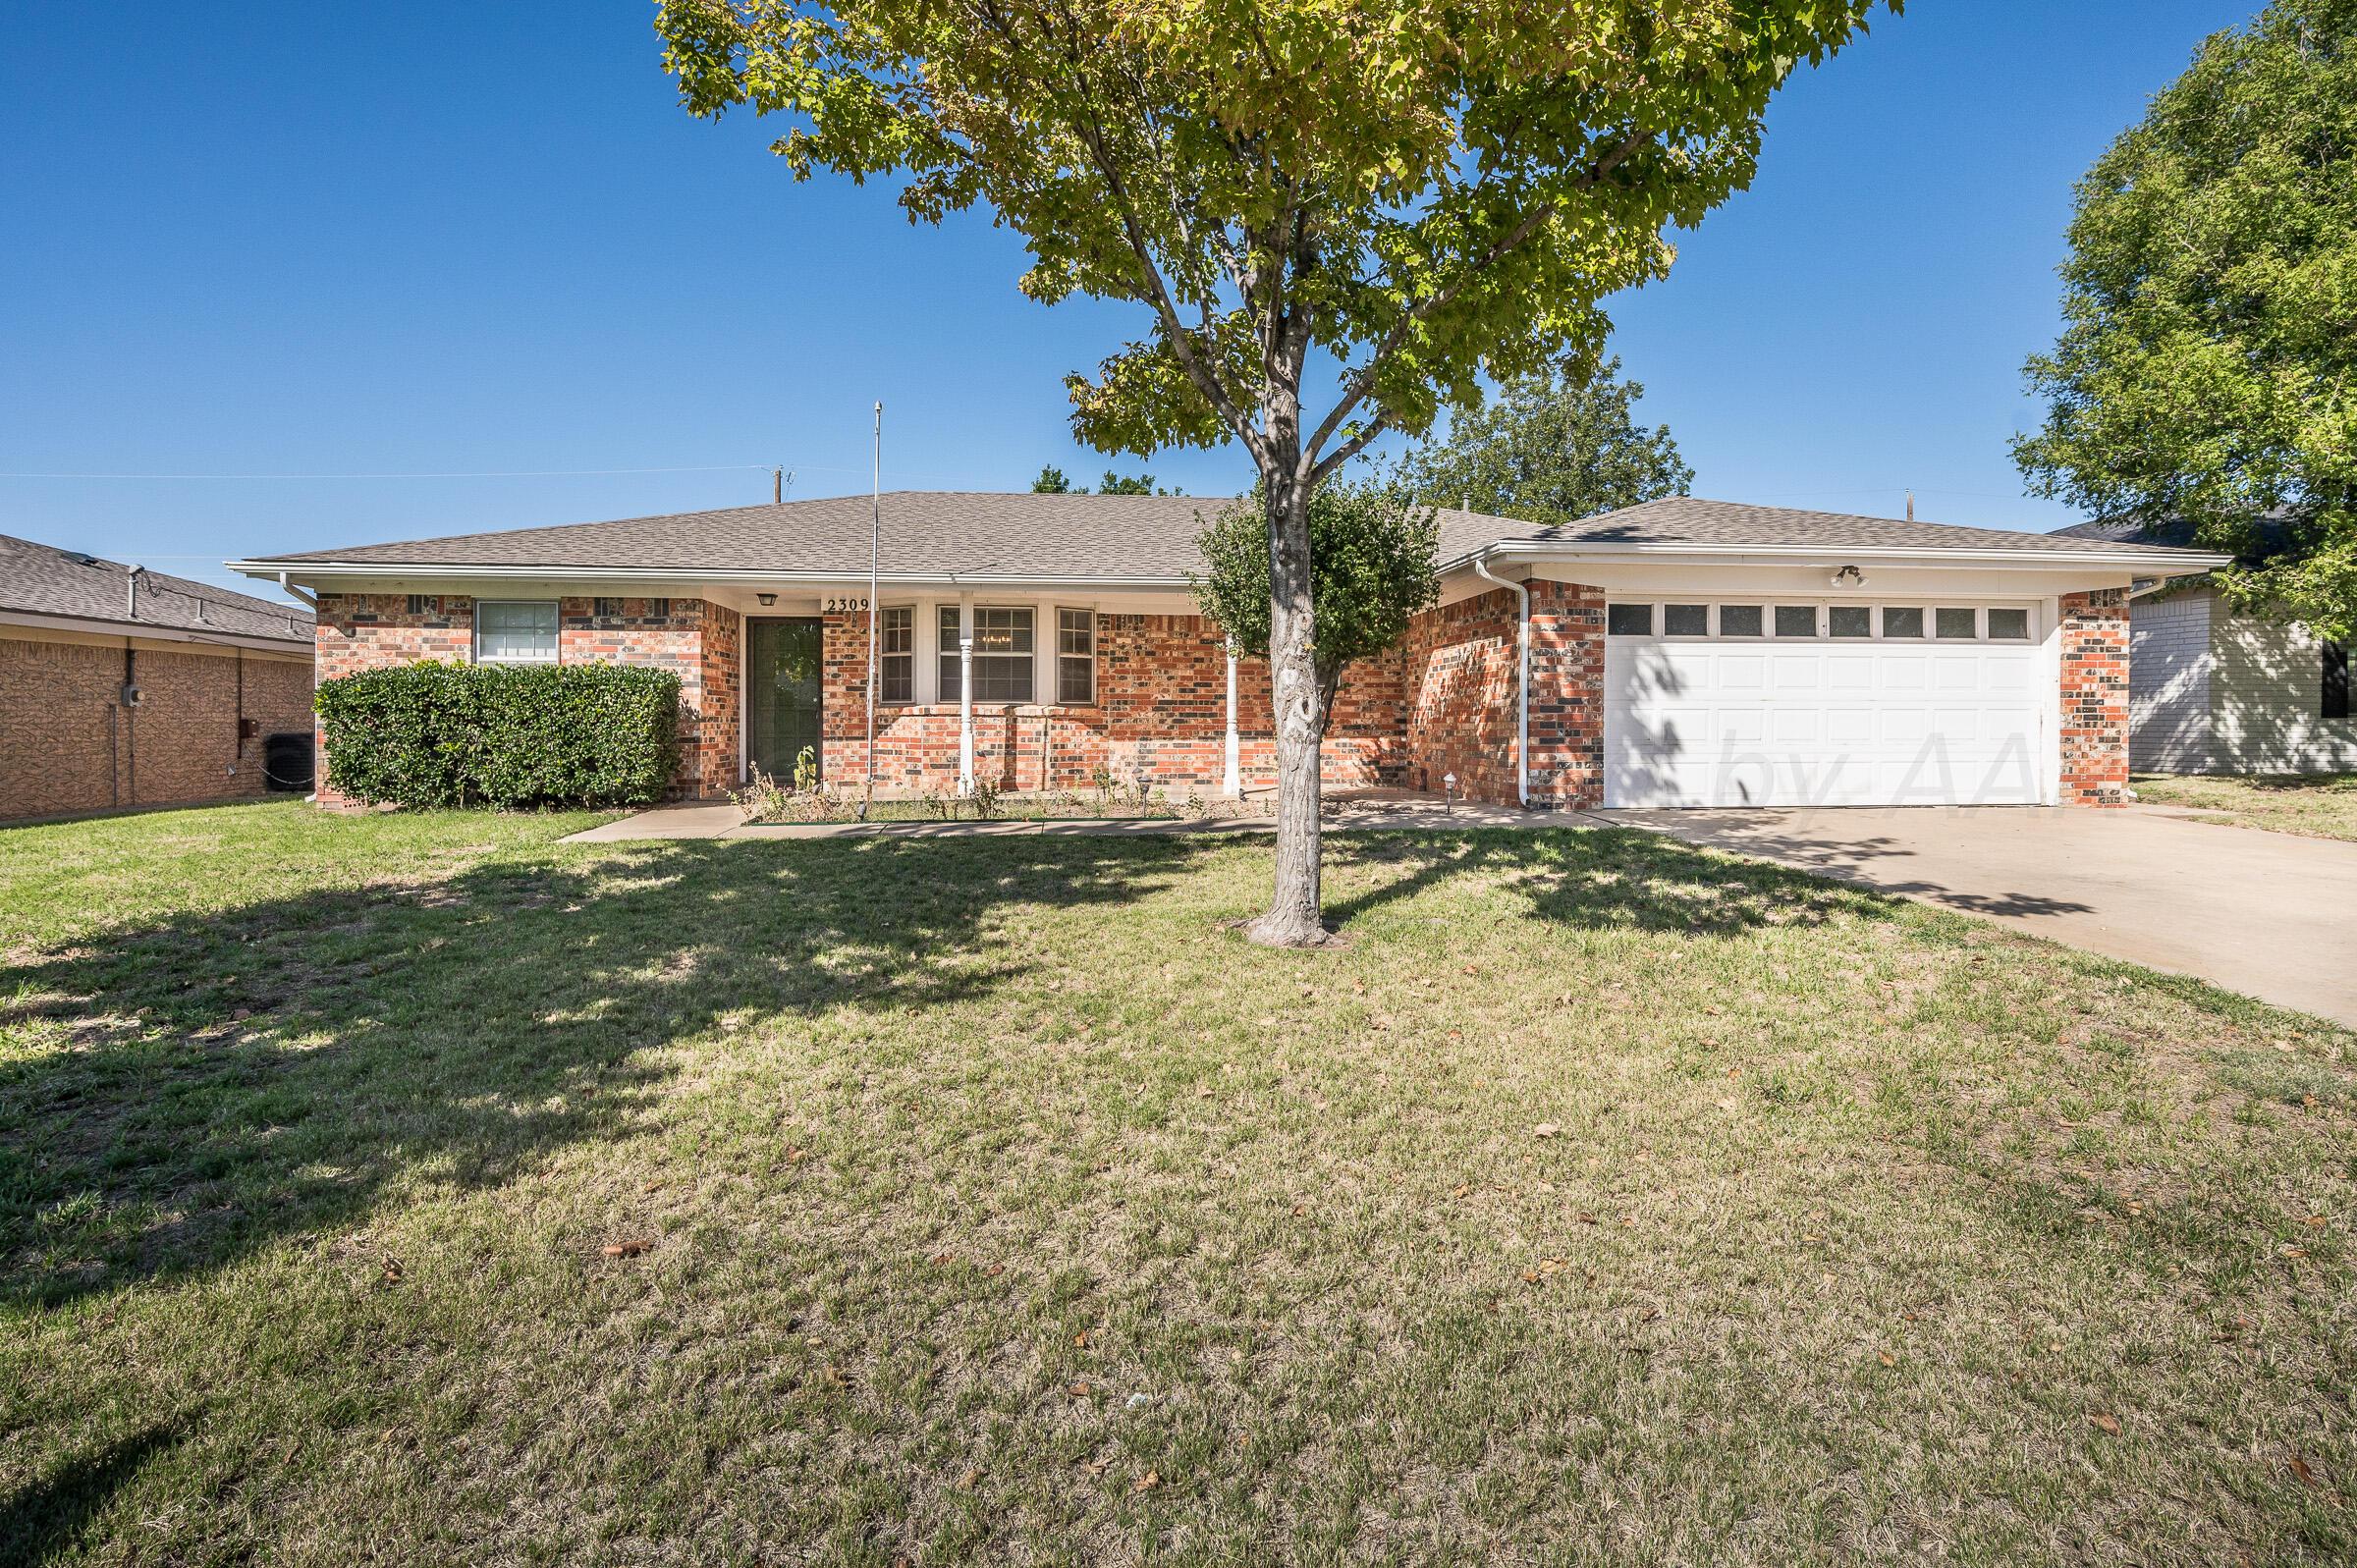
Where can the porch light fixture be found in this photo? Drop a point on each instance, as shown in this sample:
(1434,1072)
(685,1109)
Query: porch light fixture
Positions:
(1850,578)
(767,599)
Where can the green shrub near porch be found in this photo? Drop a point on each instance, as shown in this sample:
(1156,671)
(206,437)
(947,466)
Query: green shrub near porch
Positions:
(448,734)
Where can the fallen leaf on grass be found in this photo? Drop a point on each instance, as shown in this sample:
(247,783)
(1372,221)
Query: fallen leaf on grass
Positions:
(1545,1129)
(2300,1468)
(1146,1482)
(2108,1424)
(627,1249)
(392,1270)
(1885,1358)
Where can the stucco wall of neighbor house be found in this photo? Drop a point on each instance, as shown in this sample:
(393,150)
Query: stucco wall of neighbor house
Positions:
(74,747)
(2093,631)
(1160,718)
(2169,683)
(693,638)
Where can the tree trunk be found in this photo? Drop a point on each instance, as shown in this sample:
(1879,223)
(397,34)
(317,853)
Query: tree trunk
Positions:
(1293,918)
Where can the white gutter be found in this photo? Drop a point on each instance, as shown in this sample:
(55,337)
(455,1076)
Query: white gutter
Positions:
(1481,569)
(1591,552)
(274,571)
(290,591)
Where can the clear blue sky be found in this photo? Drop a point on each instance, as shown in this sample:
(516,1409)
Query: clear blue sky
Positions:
(272,238)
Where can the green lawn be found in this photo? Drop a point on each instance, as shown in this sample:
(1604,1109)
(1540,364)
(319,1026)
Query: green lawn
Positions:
(2321,805)
(416,1189)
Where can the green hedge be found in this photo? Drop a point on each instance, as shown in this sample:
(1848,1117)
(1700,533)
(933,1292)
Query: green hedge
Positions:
(447,735)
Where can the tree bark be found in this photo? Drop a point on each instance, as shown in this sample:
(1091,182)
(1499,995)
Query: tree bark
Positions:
(1293,918)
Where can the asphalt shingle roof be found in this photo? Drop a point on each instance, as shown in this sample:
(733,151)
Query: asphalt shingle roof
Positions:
(42,580)
(978,533)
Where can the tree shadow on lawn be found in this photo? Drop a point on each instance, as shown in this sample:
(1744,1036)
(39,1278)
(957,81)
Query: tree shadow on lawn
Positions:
(191,1089)
(44,1519)
(183,1091)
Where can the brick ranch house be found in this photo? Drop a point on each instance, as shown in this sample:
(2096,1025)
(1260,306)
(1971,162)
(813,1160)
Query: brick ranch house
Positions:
(1682,652)
(123,688)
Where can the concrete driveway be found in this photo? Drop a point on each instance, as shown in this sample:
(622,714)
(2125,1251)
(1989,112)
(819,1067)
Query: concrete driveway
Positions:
(2268,914)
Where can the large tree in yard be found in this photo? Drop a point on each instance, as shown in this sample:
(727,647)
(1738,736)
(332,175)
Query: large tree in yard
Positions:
(2206,370)
(1371,204)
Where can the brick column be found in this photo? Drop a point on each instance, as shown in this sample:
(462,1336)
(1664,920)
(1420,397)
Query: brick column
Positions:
(2093,634)
(1567,695)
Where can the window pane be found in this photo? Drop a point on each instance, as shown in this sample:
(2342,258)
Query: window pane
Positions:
(1075,656)
(896,630)
(1002,630)
(1629,620)
(1796,621)
(1851,621)
(515,632)
(1907,623)
(1686,621)
(1739,620)
(2013,626)
(1954,624)
(1076,631)
(1001,677)
(1075,679)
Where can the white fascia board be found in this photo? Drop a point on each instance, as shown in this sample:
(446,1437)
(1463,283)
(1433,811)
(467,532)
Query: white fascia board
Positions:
(1574,553)
(310,571)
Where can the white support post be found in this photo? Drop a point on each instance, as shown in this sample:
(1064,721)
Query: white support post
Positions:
(1234,754)
(966,695)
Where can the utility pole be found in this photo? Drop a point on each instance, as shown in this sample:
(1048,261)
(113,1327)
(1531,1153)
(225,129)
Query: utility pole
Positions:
(777,486)
(875,534)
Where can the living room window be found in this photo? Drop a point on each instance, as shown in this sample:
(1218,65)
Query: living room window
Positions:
(896,654)
(1076,656)
(1002,653)
(516,631)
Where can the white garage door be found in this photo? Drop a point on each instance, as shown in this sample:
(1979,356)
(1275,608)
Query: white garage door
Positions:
(1768,704)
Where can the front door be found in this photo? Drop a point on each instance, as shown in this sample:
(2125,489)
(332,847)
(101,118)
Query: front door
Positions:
(782,694)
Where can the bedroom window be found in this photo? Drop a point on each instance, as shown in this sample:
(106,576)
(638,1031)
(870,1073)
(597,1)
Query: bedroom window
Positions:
(516,631)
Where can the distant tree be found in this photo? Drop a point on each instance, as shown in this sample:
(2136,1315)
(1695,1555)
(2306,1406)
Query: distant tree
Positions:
(1385,197)
(1050,482)
(1375,563)
(1555,446)
(2206,370)
(1116,484)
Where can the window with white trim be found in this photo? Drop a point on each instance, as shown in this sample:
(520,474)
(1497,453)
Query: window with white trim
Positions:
(1076,656)
(896,654)
(1004,663)
(516,631)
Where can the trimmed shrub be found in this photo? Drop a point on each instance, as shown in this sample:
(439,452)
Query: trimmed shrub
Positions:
(450,734)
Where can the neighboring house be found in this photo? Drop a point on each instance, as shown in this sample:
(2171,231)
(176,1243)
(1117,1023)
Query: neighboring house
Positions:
(2218,691)
(122,687)
(1680,653)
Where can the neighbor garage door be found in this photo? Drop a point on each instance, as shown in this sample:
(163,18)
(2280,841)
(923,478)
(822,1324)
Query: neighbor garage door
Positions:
(1793,704)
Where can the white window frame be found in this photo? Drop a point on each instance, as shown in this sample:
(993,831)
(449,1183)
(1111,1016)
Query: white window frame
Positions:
(555,631)
(948,658)
(883,658)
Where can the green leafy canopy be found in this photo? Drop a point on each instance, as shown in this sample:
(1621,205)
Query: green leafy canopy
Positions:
(1373,564)
(1552,446)
(1422,193)
(2207,367)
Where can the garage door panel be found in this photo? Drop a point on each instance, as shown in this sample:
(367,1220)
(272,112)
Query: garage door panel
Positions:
(1697,723)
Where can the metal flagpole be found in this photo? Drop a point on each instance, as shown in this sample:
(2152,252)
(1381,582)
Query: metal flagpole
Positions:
(875,534)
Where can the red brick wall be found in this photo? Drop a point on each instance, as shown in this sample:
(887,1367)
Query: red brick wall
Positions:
(72,747)
(695,640)
(1459,670)
(2095,697)
(1160,715)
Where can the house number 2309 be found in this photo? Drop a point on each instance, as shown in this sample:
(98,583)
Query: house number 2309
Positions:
(840,606)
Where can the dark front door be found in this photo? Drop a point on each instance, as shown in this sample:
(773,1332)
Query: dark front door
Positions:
(781,694)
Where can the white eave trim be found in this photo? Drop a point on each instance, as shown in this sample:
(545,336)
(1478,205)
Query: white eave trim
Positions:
(1591,552)
(315,570)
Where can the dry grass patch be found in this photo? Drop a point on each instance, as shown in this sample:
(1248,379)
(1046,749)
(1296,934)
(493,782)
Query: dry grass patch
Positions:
(2320,805)
(1604,1201)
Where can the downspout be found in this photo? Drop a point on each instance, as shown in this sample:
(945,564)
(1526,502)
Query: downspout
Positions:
(1481,569)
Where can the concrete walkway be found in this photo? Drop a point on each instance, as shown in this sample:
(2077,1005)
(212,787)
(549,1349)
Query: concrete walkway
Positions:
(2268,914)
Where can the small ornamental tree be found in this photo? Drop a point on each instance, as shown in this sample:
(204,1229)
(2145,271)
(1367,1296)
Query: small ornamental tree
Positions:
(1374,565)
(1552,447)
(1385,197)
(2207,371)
